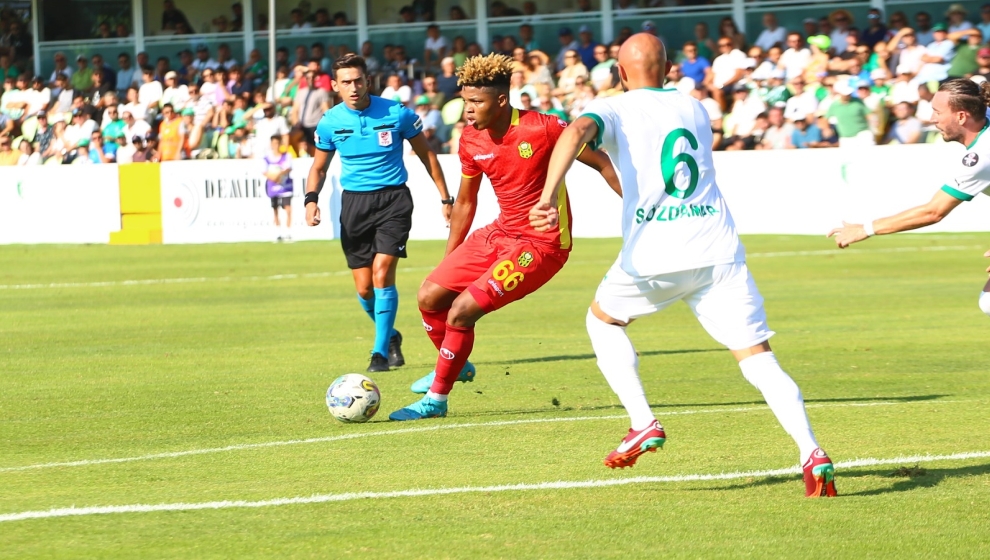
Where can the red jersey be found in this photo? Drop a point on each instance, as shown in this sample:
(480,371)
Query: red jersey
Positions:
(516,164)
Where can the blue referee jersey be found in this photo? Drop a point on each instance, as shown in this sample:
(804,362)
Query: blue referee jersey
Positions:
(369,142)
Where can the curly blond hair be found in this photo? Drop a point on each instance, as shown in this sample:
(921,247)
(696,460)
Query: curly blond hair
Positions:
(493,70)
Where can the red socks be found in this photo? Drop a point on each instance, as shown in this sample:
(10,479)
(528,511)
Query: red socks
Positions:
(456,348)
(435,324)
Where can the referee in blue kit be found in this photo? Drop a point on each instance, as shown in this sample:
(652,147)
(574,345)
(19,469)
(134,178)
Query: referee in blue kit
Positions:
(376,206)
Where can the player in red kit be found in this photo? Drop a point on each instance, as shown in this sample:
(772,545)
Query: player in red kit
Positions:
(506,260)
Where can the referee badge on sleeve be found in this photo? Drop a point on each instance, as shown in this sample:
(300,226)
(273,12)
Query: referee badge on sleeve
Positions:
(385,138)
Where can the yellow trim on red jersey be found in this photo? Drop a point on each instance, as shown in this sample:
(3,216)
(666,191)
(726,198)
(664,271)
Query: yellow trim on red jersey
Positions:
(563,219)
(466,176)
(515,117)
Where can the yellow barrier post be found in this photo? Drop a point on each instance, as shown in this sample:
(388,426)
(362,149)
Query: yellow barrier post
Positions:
(140,205)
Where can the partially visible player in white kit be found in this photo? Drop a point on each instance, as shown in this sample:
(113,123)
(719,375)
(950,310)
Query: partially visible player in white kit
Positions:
(678,243)
(959,112)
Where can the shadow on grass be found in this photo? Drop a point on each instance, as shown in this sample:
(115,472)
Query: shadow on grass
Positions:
(661,406)
(920,477)
(577,357)
(895,479)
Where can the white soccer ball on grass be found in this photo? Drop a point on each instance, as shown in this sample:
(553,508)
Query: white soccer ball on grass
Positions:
(353,398)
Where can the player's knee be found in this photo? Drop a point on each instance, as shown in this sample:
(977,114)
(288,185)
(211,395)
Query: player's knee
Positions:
(366,292)
(430,297)
(464,312)
(985,302)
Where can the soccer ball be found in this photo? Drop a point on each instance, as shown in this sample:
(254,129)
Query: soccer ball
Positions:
(353,398)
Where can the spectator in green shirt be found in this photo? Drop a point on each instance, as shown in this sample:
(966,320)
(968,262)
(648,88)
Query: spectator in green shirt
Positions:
(6,69)
(850,116)
(547,108)
(964,64)
(82,78)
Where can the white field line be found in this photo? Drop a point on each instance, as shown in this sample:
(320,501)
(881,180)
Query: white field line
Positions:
(433,428)
(278,277)
(522,487)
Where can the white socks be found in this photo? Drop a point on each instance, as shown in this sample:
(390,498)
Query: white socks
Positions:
(985,302)
(619,364)
(783,397)
(436,396)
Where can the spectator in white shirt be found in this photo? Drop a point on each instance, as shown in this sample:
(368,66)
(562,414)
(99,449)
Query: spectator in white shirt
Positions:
(224,57)
(772,34)
(435,48)
(132,105)
(298,22)
(727,70)
(802,104)
(175,93)
(677,80)
(796,58)
(203,60)
(841,19)
(909,52)
(150,93)
(134,127)
(270,125)
(80,130)
(396,91)
(39,97)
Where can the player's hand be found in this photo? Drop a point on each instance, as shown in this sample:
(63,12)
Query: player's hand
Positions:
(447,210)
(543,216)
(848,234)
(312,214)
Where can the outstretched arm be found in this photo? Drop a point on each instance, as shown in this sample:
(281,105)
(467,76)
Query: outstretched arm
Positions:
(432,164)
(602,164)
(918,217)
(543,216)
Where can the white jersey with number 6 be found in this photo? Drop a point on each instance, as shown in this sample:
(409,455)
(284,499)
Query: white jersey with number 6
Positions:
(673,216)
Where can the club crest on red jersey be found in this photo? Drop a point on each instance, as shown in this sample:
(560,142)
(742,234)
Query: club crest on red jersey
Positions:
(525,259)
(525,150)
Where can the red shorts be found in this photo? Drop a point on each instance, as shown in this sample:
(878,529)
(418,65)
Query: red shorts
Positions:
(497,269)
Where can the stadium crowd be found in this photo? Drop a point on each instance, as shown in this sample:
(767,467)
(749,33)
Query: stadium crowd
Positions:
(834,81)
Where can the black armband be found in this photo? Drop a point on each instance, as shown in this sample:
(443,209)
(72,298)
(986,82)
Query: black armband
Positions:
(313,197)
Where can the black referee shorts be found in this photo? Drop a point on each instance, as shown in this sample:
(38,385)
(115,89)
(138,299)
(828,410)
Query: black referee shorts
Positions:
(375,222)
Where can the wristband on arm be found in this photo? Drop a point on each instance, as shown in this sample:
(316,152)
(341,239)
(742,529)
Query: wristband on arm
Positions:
(868,228)
(313,197)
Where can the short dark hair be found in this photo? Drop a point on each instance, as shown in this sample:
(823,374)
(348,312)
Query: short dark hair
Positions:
(276,137)
(350,61)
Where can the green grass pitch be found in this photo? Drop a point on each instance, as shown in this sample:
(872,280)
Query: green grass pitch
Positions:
(99,360)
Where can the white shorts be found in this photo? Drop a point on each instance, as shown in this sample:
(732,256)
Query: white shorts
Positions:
(724,298)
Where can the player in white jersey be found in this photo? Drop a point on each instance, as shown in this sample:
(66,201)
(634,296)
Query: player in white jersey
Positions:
(678,243)
(959,112)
